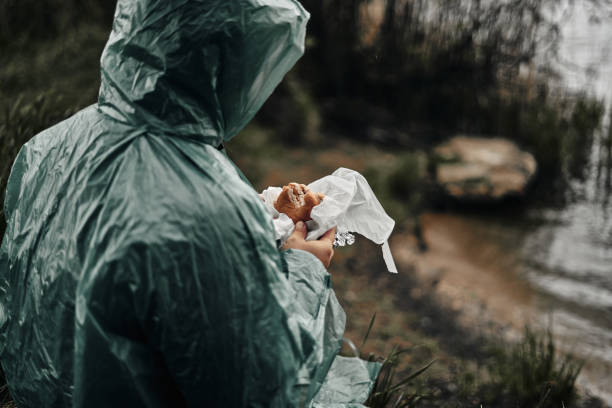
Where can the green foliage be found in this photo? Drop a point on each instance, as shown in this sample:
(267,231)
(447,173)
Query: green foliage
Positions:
(531,373)
(606,151)
(558,131)
(388,392)
(400,185)
(378,178)
(253,151)
(5,398)
(427,60)
(24,21)
(451,67)
(405,181)
(292,114)
(585,119)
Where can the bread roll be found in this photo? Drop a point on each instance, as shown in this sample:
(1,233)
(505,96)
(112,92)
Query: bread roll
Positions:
(296,200)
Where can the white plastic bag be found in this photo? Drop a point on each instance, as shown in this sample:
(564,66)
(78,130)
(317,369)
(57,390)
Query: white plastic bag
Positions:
(349,204)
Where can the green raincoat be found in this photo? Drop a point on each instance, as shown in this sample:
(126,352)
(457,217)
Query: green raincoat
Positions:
(139,267)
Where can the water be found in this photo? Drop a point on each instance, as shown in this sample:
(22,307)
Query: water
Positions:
(568,258)
(551,266)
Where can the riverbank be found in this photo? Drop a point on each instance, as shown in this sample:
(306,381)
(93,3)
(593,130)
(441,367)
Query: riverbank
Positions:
(478,266)
(417,313)
(450,302)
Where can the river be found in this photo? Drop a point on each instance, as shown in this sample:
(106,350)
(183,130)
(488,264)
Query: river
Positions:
(548,267)
(568,258)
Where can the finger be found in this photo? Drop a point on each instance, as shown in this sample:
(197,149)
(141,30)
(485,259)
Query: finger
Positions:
(329,235)
(329,254)
(322,250)
(330,258)
(300,230)
(321,196)
(297,239)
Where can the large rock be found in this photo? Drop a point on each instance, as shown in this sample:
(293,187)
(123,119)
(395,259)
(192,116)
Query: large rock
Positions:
(475,168)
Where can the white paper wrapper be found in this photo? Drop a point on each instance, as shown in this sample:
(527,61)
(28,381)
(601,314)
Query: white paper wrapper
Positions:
(349,204)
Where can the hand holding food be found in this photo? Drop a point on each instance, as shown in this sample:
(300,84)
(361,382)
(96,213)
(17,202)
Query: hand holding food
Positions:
(349,203)
(322,248)
(297,200)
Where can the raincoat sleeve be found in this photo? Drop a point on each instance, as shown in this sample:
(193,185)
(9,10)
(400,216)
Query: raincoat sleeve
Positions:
(326,380)
(319,312)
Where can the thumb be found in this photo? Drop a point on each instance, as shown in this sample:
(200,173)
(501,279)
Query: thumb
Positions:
(329,235)
(300,231)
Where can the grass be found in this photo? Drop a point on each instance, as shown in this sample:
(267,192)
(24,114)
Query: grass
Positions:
(473,365)
(5,397)
(388,392)
(532,373)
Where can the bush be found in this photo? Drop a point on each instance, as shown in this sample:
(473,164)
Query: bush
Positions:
(389,392)
(559,132)
(532,374)
(449,67)
(24,21)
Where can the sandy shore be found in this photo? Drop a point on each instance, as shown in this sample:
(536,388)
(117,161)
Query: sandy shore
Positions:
(477,267)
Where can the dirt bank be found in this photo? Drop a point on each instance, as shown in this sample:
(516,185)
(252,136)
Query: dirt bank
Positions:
(477,266)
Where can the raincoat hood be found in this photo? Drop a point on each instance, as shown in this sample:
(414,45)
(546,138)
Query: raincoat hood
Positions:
(139,267)
(197,68)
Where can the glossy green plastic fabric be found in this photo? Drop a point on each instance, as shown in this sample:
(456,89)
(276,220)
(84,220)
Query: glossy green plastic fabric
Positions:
(139,267)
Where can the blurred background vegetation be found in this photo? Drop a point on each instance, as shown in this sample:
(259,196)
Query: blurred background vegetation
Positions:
(380,85)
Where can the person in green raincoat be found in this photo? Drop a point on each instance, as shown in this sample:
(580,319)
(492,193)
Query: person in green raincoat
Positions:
(139,267)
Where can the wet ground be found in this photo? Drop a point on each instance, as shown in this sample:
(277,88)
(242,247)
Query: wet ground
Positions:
(481,264)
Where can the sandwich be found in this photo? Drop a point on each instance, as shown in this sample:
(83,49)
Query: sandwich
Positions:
(297,200)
